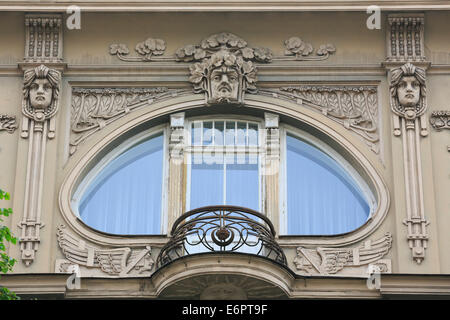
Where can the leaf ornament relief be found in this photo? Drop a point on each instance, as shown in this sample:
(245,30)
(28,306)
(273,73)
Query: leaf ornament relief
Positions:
(147,50)
(440,119)
(303,51)
(354,107)
(8,123)
(94,108)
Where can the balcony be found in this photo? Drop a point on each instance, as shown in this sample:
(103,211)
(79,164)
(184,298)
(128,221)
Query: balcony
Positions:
(221,229)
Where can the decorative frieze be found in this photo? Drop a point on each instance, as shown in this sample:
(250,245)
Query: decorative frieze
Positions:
(408,104)
(151,50)
(354,107)
(8,123)
(224,65)
(39,105)
(440,119)
(405,40)
(118,262)
(44,36)
(330,261)
(93,109)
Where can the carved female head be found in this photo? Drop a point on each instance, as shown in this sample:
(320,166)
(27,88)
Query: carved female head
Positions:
(41,92)
(408,86)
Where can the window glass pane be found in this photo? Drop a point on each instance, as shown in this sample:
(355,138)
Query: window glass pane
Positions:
(242,183)
(125,197)
(322,198)
(207,182)
(218,133)
(207,133)
(196,133)
(229,135)
(252,134)
(241,133)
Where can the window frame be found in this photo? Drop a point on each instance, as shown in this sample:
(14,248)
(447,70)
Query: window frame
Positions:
(332,153)
(190,150)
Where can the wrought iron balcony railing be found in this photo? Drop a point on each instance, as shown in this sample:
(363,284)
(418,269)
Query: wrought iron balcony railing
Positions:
(221,229)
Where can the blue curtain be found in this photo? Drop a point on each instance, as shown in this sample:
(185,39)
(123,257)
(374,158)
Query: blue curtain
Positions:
(125,197)
(322,198)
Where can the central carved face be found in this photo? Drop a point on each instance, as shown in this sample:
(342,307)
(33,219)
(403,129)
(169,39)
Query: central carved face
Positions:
(224,84)
(408,91)
(41,94)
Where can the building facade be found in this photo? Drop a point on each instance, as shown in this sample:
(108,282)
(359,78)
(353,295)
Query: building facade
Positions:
(216,151)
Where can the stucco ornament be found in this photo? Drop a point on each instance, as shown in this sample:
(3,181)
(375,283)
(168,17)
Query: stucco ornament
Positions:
(147,50)
(328,261)
(302,50)
(408,96)
(224,67)
(118,262)
(224,78)
(408,104)
(8,123)
(41,93)
(93,109)
(440,119)
(39,106)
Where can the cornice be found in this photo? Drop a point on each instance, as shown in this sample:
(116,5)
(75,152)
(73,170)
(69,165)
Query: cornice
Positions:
(222,6)
(415,284)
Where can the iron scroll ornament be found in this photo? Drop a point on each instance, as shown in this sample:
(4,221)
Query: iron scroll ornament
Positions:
(221,229)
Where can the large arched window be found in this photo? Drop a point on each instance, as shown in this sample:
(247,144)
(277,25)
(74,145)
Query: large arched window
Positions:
(322,193)
(123,193)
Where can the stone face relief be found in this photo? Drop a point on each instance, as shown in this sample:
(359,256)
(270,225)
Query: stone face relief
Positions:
(41,92)
(408,96)
(224,78)
(408,92)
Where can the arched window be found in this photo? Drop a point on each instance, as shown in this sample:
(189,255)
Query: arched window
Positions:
(323,195)
(320,192)
(123,194)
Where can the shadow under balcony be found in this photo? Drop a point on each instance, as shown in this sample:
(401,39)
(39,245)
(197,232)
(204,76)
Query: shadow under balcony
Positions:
(221,229)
